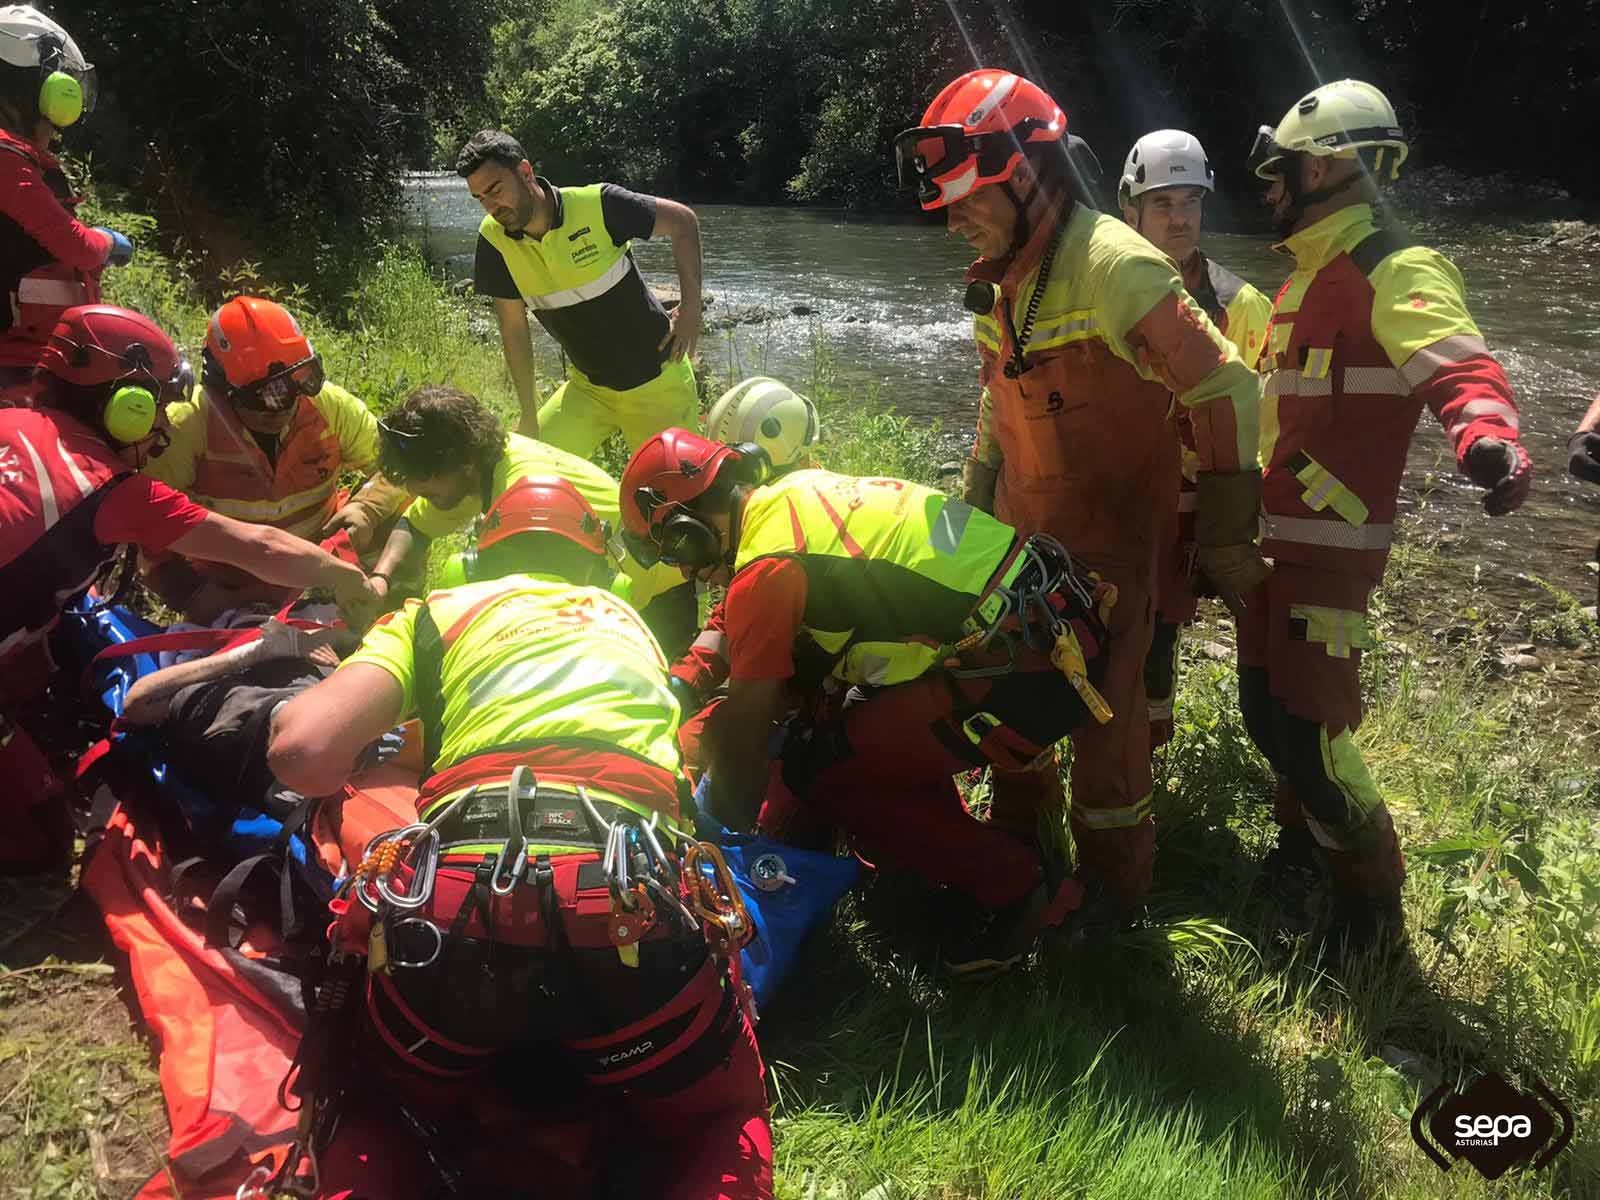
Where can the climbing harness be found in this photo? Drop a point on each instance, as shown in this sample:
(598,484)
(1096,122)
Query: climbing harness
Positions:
(1028,610)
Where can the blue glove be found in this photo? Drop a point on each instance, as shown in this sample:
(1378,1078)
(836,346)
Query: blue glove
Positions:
(121,252)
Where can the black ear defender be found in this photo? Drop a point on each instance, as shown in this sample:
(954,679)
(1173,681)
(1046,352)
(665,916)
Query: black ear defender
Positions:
(753,467)
(687,541)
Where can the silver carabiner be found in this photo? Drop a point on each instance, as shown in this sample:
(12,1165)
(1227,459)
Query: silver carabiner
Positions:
(516,845)
(252,1188)
(425,868)
(648,829)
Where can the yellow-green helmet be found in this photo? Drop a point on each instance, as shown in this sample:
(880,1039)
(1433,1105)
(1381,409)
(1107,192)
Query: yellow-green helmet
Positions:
(771,414)
(1336,120)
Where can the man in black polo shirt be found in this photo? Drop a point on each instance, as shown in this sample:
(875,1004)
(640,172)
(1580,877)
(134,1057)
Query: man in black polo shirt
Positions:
(563,252)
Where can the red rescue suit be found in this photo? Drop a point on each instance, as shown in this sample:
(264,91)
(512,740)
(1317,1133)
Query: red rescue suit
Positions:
(49,260)
(54,473)
(1366,333)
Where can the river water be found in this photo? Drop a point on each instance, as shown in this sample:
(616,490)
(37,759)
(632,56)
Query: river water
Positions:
(884,299)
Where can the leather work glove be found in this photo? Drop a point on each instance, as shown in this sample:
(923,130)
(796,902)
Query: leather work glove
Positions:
(977,484)
(1584,448)
(1226,520)
(366,511)
(1504,468)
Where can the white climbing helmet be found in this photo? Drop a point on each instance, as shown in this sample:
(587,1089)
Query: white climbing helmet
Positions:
(31,41)
(771,414)
(1163,159)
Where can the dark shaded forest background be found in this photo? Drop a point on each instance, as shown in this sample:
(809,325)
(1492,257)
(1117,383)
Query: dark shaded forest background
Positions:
(299,116)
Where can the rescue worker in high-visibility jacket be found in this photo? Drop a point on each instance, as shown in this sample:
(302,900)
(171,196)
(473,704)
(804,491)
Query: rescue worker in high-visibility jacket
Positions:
(1162,194)
(1085,334)
(266,439)
(564,253)
(548,729)
(1367,332)
(924,637)
(450,450)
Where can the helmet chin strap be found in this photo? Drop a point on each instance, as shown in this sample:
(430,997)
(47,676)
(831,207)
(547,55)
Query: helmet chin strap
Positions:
(1020,228)
(1299,201)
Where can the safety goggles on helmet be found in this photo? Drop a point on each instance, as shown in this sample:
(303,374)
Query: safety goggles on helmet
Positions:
(1266,155)
(924,154)
(282,388)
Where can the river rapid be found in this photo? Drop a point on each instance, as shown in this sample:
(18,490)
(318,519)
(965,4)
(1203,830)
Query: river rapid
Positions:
(882,298)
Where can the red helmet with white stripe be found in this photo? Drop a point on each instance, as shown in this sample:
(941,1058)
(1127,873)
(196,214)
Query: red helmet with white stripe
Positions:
(975,132)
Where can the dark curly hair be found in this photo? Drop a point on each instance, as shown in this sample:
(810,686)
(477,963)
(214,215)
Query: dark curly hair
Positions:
(486,146)
(438,429)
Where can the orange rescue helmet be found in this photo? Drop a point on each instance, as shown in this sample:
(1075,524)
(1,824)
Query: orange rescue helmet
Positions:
(544,504)
(974,133)
(256,355)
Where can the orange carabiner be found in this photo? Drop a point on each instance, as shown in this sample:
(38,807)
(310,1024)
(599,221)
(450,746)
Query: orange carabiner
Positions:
(717,899)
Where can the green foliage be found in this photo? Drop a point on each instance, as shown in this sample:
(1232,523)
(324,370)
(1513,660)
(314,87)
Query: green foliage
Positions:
(296,115)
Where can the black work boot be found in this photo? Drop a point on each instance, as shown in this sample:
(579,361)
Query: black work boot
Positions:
(1291,876)
(1001,937)
(1356,924)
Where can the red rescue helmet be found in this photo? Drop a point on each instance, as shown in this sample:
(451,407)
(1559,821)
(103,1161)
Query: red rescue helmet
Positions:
(544,504)
(664,478)
(126,354)
(257,356)
(974,133)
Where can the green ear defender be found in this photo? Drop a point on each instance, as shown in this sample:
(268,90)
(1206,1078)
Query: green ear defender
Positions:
(130,414)
(60,99)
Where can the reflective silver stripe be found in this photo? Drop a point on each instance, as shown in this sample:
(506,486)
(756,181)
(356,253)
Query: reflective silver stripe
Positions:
(78,477)
(1113,818)
(992,101)
(1420,367)
(1473,409)
(713,640)
(1065,331)
(1336,534)
(57,292)
(1374,381)
(949,527)
(1290,382)
(47,490)
(567,297)
(1161,710)
(1073,320)
(1187,501)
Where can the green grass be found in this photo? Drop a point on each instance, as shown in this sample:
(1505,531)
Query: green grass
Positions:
(1206,1054)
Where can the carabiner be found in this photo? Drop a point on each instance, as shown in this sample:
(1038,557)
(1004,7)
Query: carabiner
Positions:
(516,847)
(648,829)
(425,868)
